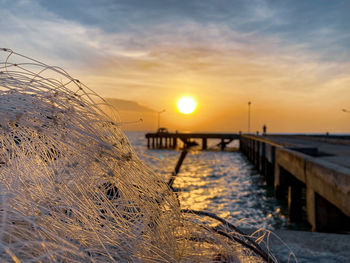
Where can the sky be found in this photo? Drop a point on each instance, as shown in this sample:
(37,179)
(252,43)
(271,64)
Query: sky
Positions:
(289,58)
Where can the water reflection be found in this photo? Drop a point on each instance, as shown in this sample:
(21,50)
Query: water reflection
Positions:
(224,183)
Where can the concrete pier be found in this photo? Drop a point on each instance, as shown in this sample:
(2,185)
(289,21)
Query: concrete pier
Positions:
(312,174)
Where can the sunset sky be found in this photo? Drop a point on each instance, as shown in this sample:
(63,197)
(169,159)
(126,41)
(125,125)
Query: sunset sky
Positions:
(291,59)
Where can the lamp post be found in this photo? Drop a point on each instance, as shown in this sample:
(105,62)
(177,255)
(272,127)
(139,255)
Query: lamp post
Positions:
(159,112)
(249,103)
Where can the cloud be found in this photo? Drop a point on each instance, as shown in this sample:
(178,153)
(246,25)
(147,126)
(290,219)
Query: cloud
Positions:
(152,51)
(127,105)
(129,28)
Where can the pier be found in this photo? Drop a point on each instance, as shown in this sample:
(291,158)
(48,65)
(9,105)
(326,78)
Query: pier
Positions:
(161,140)
(311,173)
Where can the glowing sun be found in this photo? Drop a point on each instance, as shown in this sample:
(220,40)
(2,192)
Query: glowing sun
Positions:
(186,105)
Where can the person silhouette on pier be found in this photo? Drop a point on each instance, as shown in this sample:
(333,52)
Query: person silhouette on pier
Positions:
(264,129)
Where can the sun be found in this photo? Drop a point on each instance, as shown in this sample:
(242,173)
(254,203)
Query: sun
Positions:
(186,105)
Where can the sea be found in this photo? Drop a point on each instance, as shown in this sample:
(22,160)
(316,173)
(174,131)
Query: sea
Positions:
(220,182)
(227,184)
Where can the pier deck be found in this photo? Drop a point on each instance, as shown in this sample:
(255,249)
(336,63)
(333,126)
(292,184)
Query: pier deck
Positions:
(334,150)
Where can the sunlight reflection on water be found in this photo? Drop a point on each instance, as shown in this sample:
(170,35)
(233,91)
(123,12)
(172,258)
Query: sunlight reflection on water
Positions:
(224,183)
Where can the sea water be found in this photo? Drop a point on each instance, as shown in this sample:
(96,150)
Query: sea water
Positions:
(224,183)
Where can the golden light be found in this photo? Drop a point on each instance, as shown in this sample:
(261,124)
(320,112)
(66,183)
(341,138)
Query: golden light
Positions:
(186,105)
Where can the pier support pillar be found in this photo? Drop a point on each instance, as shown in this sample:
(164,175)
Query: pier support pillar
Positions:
(174,142)
(257,154)
(254,152)
(160,142)
(269,173)
(223,144)
(251,150)
(262,163)
(148,145)
(204,143)
(328,217)
(249,145)
(280,182)
(166,142)
(242,145)
(270,164)
(295,204)
(311,207)
(153,143)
